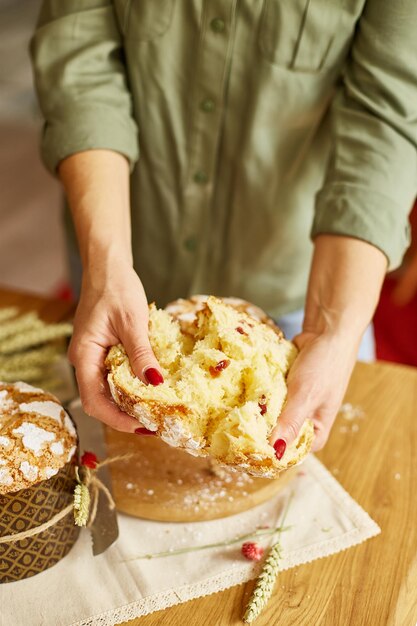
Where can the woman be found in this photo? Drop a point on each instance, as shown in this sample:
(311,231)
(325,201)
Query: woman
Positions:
(278,148)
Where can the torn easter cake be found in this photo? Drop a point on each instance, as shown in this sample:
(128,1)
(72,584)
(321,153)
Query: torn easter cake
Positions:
(225,365)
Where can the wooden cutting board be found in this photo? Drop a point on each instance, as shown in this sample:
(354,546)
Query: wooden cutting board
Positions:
(167,484)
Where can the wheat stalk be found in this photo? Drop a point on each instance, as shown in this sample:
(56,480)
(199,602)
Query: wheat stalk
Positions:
(266,580)
(28,346)
(32,358)
(34,337)
(17,325)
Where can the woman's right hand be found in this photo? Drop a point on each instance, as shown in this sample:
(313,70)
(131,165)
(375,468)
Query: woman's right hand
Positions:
(112,309)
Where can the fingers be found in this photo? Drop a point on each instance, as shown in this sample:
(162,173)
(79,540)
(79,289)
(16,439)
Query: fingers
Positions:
(296,411)
(133,333)
(299,408)
(96,400)
(315,391)
(321,434)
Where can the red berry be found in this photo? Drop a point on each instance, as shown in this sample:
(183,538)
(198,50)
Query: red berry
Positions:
(262,404)
(252,551)
(216,369)
(89,459)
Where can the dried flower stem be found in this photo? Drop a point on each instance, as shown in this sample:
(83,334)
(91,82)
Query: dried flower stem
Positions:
(228,542)
(266,581)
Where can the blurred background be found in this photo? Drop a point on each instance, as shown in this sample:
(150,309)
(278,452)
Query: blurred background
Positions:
(32,250)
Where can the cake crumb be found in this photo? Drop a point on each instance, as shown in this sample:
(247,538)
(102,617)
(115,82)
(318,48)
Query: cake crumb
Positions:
(350,412)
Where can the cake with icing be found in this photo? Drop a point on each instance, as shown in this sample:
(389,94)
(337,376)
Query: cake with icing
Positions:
(37,436)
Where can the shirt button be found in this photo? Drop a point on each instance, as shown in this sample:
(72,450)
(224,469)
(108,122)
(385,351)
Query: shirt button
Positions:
(217,25)
(207,105)
(190,244)
(200,177)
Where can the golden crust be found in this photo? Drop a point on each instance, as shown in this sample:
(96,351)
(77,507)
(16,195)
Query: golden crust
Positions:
(37,437)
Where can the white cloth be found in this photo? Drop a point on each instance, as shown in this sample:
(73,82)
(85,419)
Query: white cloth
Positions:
(83,590)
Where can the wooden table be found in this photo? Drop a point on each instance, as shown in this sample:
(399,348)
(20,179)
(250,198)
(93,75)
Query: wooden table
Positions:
(373,584)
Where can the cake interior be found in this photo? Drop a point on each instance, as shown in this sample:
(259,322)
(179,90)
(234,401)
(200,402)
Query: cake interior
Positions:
(225,378)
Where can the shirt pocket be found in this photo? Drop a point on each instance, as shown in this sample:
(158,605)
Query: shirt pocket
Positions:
(301,35)
(144,20)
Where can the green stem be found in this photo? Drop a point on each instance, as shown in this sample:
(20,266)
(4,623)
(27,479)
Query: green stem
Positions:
(257,533)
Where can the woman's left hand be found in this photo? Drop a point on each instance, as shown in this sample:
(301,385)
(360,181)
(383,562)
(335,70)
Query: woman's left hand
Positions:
(344,286)
(316,385)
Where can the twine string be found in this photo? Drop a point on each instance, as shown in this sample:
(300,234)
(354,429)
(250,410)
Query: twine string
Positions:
(96,486)
(31,532)
(92,481)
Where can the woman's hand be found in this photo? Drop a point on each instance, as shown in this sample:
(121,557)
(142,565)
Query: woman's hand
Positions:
(112,309)
(344,286)
(316,385)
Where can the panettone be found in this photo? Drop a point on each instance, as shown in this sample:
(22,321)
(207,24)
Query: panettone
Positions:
(225,384)
(37,437)
(38,454)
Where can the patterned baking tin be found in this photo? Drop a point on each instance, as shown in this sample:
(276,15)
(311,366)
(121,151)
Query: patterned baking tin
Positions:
(28,509)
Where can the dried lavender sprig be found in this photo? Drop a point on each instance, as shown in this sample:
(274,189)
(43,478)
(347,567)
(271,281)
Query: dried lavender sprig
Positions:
(267,578)
(227,542)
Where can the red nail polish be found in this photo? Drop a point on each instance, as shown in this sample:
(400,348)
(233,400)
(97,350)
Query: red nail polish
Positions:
(153,376)
(279,447)
(143,431)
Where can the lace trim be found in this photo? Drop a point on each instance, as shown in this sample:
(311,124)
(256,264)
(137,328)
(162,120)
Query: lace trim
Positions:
(365,529)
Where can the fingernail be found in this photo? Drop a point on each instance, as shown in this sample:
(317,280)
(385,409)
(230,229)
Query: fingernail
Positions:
(143,431)
(153,376)
(279,447)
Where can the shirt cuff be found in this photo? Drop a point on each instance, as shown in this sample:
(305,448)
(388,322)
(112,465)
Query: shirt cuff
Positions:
(89,128)
(354,211)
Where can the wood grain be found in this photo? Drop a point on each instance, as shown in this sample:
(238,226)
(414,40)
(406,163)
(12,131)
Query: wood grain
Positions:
(373,584)
(167,484)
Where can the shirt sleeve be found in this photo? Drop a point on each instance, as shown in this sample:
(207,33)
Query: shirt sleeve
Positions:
(371,178)
(81,83)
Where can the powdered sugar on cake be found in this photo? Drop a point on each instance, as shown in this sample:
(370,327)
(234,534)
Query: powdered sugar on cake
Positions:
(37,437)
(33,437)
(47,408)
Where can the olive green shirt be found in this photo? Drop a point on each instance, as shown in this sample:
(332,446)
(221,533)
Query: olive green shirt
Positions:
(259,123)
